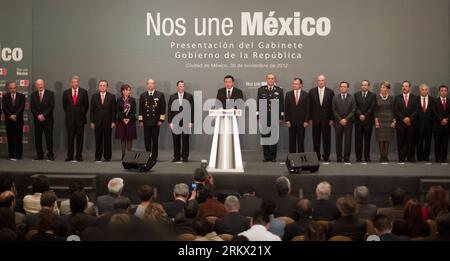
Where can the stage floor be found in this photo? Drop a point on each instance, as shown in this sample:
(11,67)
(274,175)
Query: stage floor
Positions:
(380,178)
(253,165)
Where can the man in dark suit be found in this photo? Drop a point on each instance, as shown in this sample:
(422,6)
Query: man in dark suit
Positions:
(13,105)
(42,104)
(250,203)
(232,223)
(324,207)
(405,110)
(268,93)
(229,94)
(103,118)
(383,228)
(180,195)
(441,128)
(366,103)
(424,123)
(321,117)
(286,204)
(181,102)
(348,224)
(344,108)
(105,203)
(297,115)
(152,113)
(76,106)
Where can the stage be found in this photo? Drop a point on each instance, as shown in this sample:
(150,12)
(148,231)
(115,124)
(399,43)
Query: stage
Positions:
(380,178)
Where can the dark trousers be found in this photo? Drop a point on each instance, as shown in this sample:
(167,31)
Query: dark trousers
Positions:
(363,134)
(45,129)
(405,143)
(423,144)
(296,139)
(75,131)
(103,142)
(441,137)
(344,133)
(180,146)
(270,151)
(151,135)
(14,134)
(322,130)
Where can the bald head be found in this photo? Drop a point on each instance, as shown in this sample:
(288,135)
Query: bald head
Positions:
(424,90)
(39,84)
(321,81)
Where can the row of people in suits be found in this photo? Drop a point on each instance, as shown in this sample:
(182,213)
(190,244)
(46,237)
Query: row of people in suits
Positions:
(320,108)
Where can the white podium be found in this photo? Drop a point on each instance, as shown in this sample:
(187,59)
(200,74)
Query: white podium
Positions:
(226,153)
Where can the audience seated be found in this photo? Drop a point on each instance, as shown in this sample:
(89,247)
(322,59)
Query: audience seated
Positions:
(31,203)
(47,204)
(397,201)
(48,227)
(412,225)
(383,228)
(180,195)
(105,203)
(250,203)
(64,206)
(285,202)
(324,208)
(364,209)
(8,199)
(435,202)
(78,220)
(232,223)
(348,224)
(298,228)
(145,194)
(212,206)
(258,231)
(204,232)
(276,226)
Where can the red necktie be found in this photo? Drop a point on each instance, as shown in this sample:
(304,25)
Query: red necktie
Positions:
(74,97)
(405,97)
(297,98)
(444,104)
(424,105)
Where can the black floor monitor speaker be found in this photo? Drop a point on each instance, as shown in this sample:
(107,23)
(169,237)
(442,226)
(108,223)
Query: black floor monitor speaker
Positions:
(142,161)
(297,162)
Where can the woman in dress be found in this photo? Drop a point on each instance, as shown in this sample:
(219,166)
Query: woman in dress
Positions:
(384,120)
(126,119)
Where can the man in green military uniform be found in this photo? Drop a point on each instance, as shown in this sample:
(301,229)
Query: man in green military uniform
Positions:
(152,110)
(270,92)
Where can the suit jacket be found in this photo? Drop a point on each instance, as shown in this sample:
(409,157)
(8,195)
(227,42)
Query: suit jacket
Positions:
(296,114)
(402,112)
(103,114)
(152,109)
(349,226)
(105,203)
(233,223)
(76,114)
(120,115)
(249,205)
(286,206)
(16,109)
(344,108)
(325,210)
(424,120)
(174,98)
(366,211)
(366,108)
(44,107)
(222,96)
(440,113)
(321,114)
(173,207)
